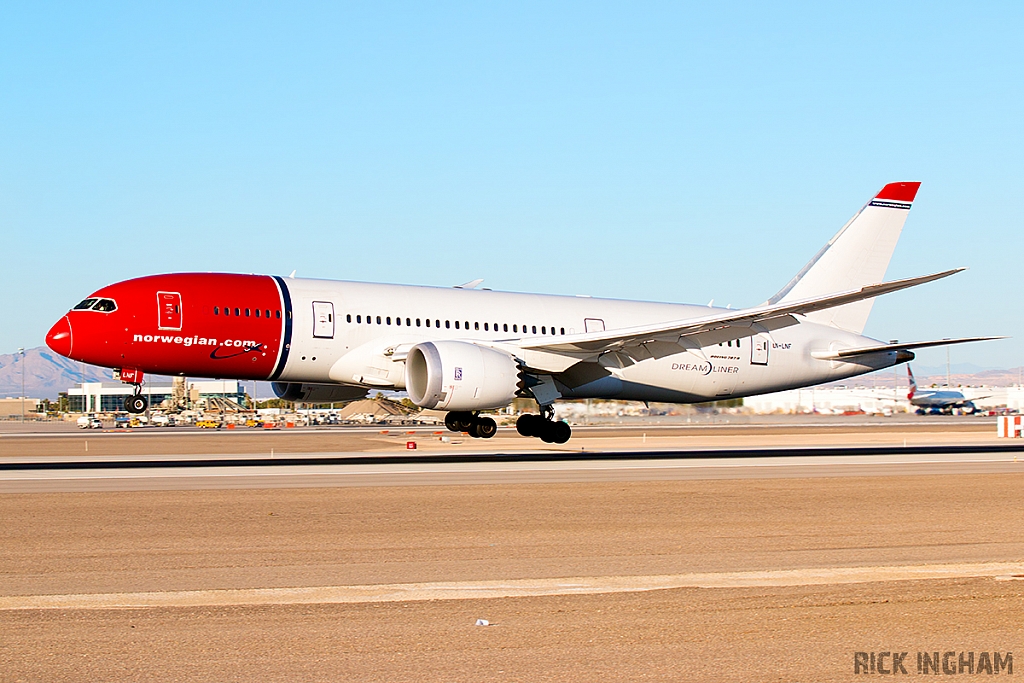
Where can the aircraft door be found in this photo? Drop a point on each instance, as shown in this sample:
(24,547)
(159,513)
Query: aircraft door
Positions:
(759,350)
(593,324)
(323,320)
(169,310)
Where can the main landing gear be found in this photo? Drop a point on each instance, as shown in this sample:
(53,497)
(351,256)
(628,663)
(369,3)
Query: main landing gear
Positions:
(544,426)
(478,427)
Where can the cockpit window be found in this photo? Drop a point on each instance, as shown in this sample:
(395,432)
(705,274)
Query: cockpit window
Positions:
(101,305)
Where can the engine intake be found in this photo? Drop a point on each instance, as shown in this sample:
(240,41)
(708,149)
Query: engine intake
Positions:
(451,375)
(317,393)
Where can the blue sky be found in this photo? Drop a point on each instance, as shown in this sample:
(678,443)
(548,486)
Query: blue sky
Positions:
(665,151)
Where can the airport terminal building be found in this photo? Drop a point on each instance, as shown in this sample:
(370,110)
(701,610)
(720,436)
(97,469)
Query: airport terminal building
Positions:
(108,397)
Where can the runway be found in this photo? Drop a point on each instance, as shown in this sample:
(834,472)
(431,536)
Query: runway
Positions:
(348,470)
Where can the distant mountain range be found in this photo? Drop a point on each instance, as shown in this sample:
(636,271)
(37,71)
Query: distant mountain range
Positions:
(47,374)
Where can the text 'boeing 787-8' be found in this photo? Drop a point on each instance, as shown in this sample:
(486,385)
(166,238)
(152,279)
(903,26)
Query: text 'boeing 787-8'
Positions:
(464,350)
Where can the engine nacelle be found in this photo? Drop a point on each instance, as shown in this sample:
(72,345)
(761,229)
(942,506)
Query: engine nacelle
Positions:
(317,393)
(452,375)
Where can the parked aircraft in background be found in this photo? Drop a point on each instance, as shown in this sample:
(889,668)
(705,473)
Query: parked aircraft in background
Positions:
(935,401)
(465,350)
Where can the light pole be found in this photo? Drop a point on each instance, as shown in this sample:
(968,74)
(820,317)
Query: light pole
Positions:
(22,352)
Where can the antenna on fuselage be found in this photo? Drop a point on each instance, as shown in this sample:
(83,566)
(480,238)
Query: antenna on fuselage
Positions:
(292,276)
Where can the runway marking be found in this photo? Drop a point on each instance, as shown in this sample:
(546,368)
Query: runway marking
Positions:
(464,590)
(351,470)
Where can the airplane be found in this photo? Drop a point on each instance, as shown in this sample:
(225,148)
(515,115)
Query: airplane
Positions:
(466,350)
(935,401)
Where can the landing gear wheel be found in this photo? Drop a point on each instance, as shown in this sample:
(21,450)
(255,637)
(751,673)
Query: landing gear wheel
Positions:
(546,429)
(560,432)
(136,403)
(483,428)
(457,421)
(528,425)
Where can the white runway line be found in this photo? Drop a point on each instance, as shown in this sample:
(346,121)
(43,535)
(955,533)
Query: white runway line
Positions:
(464,590)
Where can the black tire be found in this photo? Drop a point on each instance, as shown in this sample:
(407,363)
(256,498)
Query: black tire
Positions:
(457,421)
(485,428)
(136,404)
(560,432)
(526,425)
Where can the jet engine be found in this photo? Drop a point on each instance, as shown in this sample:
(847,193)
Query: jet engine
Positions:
(317,393)
(460,376)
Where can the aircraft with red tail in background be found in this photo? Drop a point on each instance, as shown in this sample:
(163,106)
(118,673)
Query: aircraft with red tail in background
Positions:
(466,350)
(938,401)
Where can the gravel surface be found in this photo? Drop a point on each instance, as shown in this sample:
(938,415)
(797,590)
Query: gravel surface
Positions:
(200,540)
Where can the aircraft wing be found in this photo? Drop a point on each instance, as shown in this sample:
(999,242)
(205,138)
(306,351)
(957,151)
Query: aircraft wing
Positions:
(664,339)
(879,348)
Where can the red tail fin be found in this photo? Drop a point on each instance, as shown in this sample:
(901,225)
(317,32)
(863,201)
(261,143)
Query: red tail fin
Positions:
(913,384)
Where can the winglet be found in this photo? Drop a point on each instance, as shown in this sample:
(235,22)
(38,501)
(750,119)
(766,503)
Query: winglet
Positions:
(899,192)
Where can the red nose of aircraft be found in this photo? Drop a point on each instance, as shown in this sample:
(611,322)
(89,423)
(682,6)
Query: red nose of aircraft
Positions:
(59,337)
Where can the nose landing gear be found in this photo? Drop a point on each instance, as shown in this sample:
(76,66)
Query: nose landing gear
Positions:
(136,403)
(477,427)
(544,426)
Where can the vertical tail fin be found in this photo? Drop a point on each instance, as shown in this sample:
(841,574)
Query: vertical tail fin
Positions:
(913,384)
(858,255)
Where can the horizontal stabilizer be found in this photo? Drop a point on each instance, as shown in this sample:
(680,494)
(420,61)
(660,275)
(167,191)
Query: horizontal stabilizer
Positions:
(883,348)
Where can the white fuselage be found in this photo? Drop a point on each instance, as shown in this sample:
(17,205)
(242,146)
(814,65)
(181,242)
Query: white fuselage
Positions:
(353,333)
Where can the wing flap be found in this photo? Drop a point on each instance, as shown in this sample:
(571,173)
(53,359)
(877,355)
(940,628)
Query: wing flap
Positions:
(722,326)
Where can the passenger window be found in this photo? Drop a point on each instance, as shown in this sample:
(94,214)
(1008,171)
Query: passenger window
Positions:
(456,324)
(447,324)
(348,317)
(515,328)
(277,314)
(563,330)
(378,320)
(534,329)
(257,312)
(359,318)
(543,329)
(398,321)
(216,310)
(267,312)
(247,313)
(428,322)
(437,323)
(505,326)
(418,322)
(85,305)
(485,327)
(238,311)
(407,322)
